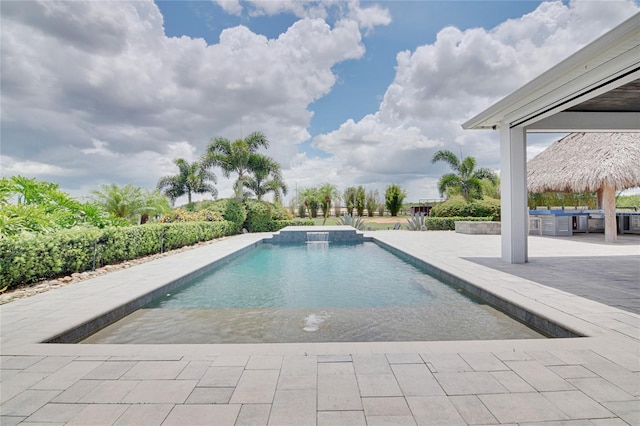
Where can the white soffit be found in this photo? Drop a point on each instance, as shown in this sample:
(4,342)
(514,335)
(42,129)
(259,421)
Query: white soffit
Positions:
(609,62)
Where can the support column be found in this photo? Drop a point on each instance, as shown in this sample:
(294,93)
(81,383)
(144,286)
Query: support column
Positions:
(513,194)
(609,204)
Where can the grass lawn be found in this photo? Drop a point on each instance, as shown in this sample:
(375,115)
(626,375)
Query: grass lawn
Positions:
(376,222)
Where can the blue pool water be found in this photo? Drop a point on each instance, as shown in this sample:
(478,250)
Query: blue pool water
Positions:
(314,292)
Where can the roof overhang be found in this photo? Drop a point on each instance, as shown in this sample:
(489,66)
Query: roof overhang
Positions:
(597,88)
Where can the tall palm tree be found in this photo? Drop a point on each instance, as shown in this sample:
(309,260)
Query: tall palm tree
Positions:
(191,179)
(465,178)
(240,157)
(266,178)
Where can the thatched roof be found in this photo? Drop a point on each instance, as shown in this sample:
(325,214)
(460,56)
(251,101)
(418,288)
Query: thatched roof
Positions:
(582,162)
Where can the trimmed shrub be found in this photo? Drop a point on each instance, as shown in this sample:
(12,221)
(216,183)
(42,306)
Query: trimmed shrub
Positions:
(180,215)
(33,257)
(231,209)
(449,223)
(458,207)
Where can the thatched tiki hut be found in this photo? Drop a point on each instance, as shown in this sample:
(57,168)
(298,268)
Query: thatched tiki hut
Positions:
(589,162)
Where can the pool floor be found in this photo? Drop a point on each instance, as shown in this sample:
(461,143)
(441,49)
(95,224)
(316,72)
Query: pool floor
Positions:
(301,293)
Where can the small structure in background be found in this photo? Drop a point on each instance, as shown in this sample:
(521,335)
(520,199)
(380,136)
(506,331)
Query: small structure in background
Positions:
(425,205)
(589,162)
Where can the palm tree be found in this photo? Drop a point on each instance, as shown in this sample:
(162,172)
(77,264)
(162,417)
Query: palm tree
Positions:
(326,193)
(239,156)
(266,178)
(466,179)
(191,179)
(121,201)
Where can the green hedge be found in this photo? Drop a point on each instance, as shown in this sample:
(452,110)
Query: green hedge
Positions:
(459,207)
(449,223)
(31,258)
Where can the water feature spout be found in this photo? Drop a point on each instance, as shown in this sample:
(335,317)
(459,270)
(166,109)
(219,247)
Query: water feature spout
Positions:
(317,237)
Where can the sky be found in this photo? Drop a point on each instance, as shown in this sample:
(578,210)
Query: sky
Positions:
(348,92)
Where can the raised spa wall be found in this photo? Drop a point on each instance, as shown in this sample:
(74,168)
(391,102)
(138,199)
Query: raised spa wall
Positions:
(301,234)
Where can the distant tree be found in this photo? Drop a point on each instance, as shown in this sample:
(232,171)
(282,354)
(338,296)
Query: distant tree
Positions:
(349,198)
(394,196)
(239,157)
(310,197)
(465,179)
(372,202)
(266,178)
(191,179)
(327,193)
(360,200)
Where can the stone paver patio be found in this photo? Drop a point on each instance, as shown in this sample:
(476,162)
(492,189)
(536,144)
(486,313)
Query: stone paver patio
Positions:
(592,380)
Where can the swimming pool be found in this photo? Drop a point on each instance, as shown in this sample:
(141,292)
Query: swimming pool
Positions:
(322,292)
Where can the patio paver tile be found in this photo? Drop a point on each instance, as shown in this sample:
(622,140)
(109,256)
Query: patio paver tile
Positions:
(299,365)
(531,407)
(28,402)
(416,380)
(341,418)
(378,385)
(109,391)
(628,411)
(194,370)
(482,361)
(13,420)
(600,389)
(390,421)
(512,382)
(160,392)
(539,376)
(293,407)
(109,370)
(76,391)
(338,392)
(49,364)
(572,371)
(472,410)
(18,383)
(155,370)
(371,364)
(197,415)
(210,396)
(434,410)
(386,406)
(55,413)
(264,362)
(297,382)
(577,405)
(67,375)
(231,361)
(253,415)
(144,414)
(404,358)
(469,383)
(255,387)
(445,362)
(221,377)
(98,414)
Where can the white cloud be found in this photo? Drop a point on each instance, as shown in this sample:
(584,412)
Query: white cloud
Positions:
(439,86)
(367,17)
(98,88)
(94,92)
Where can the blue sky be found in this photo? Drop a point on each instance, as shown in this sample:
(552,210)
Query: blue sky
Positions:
(348,92)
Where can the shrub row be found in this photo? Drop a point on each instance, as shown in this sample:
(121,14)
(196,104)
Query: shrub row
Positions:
(33,257)
(449,223)
(459,207)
